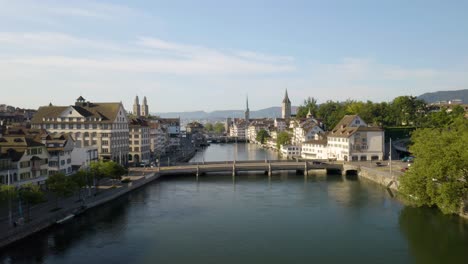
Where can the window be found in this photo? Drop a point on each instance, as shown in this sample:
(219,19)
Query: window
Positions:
(78,126)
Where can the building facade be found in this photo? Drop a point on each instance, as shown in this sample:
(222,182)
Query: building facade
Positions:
(104,125)
(139,142)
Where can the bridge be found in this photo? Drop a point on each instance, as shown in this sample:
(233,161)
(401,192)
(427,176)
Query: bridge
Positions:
(234,167)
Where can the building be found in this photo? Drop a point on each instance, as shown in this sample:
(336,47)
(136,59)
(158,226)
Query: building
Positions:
(60,147)
(82,157)
(172,128)
(104,125)
(139,141)
(280,124)
(315,148)
(290,151)
(352,139)
(144,108)
(194,128)
(158,138)
(238,128)
(286,106)
(256,125)
(136,107)
(305,130)
(24,159)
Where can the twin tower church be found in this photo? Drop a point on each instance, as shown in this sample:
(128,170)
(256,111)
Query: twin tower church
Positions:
(140,110)
(285,107)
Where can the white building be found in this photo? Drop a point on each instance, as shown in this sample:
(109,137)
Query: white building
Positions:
(305,131)
(315,148)
(280,124)
(82,157)
(158,138)
(102,124)
(60,147)
(290,151)
(352,139)
(238,128)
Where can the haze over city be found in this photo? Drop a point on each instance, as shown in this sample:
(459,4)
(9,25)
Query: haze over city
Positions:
(182,54)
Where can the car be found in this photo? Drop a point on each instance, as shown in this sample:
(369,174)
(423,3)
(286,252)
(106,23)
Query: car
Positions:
(404,169)
(408,159)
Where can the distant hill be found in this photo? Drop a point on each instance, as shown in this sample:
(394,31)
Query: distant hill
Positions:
(445,96)
(270,112)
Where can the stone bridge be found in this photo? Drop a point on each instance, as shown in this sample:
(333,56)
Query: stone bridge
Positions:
(267,167)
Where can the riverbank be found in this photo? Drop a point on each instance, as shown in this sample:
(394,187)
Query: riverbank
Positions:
(382,176)
(43,217)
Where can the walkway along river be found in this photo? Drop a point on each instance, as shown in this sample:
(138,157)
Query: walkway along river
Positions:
(287,219)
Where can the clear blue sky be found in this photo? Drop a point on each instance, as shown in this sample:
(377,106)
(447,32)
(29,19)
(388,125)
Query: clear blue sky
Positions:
(207,55)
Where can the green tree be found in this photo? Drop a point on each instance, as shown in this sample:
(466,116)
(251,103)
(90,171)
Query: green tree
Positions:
(331,113)
(284,138)
(113,170)
(80,179)
(310,104)
(31,194)
(61,185)
(262,136)
(209,127)
(7,194)
(218,128)
(439,175)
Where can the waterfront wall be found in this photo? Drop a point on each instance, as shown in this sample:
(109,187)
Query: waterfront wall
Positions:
(41,223)
(381,177)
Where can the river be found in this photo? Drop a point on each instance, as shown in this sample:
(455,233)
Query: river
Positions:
(285,219)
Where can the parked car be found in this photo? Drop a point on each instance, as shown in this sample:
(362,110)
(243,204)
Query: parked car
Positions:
(408,159)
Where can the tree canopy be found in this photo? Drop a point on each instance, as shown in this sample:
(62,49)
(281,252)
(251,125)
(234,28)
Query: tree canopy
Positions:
(283,139)
(262,136)
(439,176)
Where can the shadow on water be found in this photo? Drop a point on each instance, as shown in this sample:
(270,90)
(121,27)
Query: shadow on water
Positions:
(57,240)
(434,237)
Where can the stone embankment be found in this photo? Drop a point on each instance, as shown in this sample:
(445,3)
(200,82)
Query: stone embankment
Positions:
(376,174)
(45,219)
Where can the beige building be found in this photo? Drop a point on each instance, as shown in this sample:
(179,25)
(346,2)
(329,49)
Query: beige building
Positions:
(104,125)
(139,142)
(24,159)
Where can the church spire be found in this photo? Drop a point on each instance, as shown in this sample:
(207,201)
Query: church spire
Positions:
(286,97)
(286,106)
(247,110)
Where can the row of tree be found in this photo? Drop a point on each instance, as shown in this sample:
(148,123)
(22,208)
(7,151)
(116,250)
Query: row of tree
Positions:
(217,128)
(62,186)
(403,110)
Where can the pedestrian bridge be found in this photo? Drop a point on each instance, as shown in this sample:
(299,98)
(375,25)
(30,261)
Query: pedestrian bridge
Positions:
(267,167)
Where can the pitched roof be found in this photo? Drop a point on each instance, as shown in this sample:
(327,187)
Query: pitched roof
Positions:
(107,111)
(345,129)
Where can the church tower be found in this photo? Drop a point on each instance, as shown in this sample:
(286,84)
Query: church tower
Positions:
(286,106)
(145,108)
(136,107)
(247,111)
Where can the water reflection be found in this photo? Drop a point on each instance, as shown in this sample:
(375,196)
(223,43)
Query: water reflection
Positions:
(434,237)
(57,240)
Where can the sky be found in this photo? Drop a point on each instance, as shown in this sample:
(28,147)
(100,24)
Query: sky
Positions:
(209,55)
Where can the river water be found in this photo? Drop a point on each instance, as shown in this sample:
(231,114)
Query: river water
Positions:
(287,219)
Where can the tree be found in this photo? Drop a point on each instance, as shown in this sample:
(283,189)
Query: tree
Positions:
(31,195)
(7,194)
(219,128)
(262,136)
(310,104)
(439,175)
(331,113)
(113,170)
(209,127)
(80,179)
(61,185)
(283,139)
